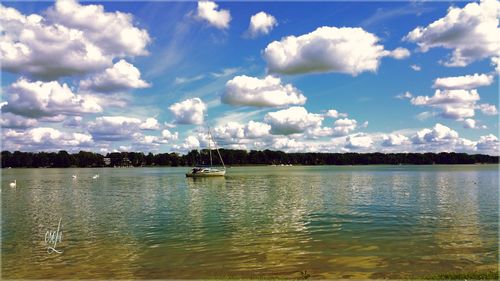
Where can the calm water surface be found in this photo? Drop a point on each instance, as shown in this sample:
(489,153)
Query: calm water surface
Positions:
(334,222)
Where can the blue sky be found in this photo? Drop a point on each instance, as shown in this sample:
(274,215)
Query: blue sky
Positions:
(323,76)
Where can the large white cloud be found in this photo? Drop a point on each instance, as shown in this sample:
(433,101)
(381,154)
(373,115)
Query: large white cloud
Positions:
(292,120)
(438,133)
(113,32)
(114,128)
(72,40)
(142,141)
(150,124)
(358,142)
(207,11)
(241,134)
(190,143)
(342,127)
(30,45)
(269,91)
(166,134)
(45,138)
(454,104)
(190,111)
(328,49)
(435,139)
(257,129)
(395,140)
(261,24)
(9,120)
(118,128)
(465,82)
(288,145)
(488,144)
(441,138)
(39,99)
(231,132)
(471,32)
(121,76)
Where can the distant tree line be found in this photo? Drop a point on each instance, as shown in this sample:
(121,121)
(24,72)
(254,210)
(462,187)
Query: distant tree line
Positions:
(63,159)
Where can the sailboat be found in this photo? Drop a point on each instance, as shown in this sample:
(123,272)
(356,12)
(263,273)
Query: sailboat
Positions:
(208,171)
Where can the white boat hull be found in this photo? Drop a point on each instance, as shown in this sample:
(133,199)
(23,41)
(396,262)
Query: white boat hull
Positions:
(206,174)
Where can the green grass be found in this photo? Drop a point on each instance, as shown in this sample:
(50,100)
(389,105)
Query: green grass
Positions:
(486,275)
(303,275)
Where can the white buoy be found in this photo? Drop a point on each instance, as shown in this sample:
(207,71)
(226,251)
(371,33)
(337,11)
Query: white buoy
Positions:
(13,184)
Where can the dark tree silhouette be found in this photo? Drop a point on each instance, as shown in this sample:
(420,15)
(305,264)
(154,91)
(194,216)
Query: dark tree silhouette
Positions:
(63,159)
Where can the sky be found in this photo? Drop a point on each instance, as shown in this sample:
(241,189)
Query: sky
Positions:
(291,76)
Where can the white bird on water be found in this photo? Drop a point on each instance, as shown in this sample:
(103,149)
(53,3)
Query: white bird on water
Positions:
(95,176)
(73,176)
(13,184)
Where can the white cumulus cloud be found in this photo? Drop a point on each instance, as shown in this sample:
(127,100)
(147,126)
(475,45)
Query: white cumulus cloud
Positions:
(488,109)
(465,82)
(190,111)
(473,124)
(261,24)
(471,32)
(190,143)
(332,113)
(292,120)
(438,133)
(488,144)
(121,76)
(358,141)
(44,138)
(257,129)
(73,39)
(9,120)
(113,32)
(269,91)
(114,128)
(150,124)
(39,99)
(166,134)
(236,133)
(453,104)
(328,49)
(342,127)
(395,140)
(123,128)
(208,12)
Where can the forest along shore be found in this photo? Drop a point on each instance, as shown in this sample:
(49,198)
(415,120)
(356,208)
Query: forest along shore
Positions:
(63,159)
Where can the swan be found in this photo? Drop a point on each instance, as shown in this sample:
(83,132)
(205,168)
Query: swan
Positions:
(13,184)
(95,176)
(73,176)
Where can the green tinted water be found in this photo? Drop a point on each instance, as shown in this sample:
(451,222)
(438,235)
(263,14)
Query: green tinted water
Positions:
(334,222)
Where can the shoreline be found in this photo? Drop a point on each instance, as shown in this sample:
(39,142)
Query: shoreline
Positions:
(230,157)
(263,165)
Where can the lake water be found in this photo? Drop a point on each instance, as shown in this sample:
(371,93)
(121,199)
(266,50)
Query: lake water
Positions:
(334,222)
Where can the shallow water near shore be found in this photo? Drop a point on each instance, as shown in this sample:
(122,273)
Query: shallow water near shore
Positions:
(333,221)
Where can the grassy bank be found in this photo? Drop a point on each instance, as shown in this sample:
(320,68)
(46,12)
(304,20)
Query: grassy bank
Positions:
(485,275)
(482,275)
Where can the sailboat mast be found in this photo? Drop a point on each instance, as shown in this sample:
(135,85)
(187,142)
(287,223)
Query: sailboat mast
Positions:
(217,148)
(209,145)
